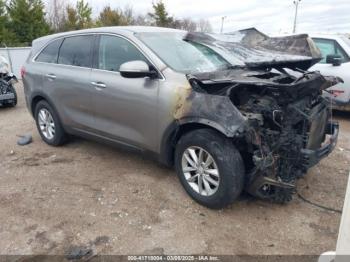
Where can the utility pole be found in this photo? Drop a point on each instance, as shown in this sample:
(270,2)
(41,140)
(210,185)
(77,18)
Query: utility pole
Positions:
(296,3)
(222,24)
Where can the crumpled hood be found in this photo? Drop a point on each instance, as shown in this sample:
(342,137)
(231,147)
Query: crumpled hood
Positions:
(253,49)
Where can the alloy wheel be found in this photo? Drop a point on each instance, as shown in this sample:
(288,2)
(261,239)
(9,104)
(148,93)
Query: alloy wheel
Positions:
(200,170)
(46,124)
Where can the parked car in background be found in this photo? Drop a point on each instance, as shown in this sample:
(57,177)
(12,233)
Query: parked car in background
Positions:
(335,50)
(226,115)
(8,95)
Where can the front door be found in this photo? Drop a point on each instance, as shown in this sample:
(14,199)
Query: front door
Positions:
(125,108)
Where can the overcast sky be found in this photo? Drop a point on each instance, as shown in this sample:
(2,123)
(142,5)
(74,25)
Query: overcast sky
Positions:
(270,16)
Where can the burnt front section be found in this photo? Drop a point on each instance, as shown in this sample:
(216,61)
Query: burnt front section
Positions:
(286,124)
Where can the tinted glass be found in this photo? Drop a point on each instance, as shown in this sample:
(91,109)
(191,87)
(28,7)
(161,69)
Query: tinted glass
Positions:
(76,51)
(50,53)
(330,47)
(114,51)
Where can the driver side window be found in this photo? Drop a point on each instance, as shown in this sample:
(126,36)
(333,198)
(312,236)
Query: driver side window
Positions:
(114,51)
(330,47)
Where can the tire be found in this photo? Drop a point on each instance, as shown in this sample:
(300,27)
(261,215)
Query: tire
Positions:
(230,180)
(59,136)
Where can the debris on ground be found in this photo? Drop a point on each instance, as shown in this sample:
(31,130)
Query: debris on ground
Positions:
(24,140)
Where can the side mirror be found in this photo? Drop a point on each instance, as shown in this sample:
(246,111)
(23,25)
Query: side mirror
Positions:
(136,69)
(334,60)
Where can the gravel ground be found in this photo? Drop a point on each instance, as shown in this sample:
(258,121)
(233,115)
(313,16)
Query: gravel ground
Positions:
(117,202)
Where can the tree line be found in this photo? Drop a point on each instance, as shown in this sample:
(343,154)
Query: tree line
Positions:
(21,21)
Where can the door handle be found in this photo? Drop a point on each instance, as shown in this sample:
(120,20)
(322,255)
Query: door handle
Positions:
(51,76)
(99,84)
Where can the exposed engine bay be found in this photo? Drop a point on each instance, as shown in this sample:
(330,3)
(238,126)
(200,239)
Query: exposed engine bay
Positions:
(286,122)
(8,95)
(271,106)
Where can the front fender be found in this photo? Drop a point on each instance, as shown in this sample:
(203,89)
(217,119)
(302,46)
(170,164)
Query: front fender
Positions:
(213,110)
(201,110)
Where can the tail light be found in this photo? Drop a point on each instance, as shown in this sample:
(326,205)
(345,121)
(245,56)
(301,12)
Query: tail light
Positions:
(23,72)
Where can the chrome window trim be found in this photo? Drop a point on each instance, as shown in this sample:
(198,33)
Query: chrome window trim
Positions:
(91,68)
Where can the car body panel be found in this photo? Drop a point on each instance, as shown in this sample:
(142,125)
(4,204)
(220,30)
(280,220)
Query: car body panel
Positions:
(72,95)
(126,109)
(341,100)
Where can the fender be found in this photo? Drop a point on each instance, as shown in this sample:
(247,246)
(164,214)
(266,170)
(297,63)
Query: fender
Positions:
(225,129)
(178,127)
(37,94)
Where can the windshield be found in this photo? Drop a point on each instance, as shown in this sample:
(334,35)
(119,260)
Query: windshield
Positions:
(346,40)
(183,56)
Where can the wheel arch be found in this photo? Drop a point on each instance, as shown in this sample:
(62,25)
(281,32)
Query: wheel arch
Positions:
(180,127)
(39,96)
(36,98)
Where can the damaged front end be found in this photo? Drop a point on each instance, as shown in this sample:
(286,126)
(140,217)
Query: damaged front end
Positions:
(286,127)
(272,107)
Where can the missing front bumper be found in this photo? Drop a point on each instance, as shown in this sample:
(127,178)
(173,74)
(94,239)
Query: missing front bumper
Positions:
(312,157)
(274,188)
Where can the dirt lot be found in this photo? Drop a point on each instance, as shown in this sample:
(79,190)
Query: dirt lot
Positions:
(121,203)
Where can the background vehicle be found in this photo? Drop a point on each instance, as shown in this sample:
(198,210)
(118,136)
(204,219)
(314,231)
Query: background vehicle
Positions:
(335,50)
(8,95)
(227,122)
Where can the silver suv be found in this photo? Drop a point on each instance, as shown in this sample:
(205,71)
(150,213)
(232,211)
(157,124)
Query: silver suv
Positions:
(227,114)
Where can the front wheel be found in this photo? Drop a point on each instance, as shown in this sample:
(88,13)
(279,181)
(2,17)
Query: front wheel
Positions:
(209,167)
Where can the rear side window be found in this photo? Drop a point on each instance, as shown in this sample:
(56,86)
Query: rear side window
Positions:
(76,51)
(114,51)
(50,52)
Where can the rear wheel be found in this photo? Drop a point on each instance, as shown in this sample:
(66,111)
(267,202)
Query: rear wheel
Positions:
(209,167)
(49,125)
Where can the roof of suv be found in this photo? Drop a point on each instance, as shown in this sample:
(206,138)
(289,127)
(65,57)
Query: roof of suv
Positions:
(124,30)
(111,29)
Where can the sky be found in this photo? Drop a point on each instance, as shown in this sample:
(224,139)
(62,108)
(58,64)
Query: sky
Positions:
(269,16)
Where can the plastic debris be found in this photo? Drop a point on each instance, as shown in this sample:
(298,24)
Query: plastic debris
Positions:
(24,140)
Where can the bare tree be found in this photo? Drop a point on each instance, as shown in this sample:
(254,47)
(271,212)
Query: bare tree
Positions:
(204,26)
(56,14)
(142,20)
(189,25)
(128,15)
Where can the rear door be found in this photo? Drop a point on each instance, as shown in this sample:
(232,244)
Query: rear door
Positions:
(332,47)
(68,82)
(125,108)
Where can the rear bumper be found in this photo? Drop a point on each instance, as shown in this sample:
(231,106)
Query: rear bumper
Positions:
(312,157)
